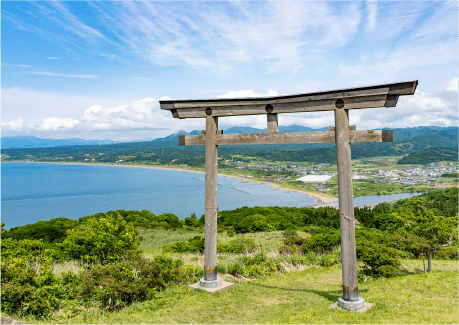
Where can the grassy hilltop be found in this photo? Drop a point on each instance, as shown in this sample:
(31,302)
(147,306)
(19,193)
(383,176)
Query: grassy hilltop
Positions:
(135,267)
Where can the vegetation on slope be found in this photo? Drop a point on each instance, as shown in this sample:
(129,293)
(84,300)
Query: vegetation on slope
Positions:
(132,271)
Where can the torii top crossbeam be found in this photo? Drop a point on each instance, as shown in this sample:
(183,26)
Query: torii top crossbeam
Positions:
(352,98)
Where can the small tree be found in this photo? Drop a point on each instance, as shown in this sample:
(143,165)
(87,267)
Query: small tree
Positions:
(432,232)
(103,239)
(3,230)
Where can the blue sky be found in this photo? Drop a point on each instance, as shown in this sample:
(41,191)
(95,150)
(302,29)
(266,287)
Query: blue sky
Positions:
(97,70)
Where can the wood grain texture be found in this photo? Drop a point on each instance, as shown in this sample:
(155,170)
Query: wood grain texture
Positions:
(210,232)
(346,200)
(284,138)
(273,124)
(354,98)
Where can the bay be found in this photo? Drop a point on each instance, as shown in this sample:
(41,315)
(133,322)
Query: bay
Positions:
(41,191)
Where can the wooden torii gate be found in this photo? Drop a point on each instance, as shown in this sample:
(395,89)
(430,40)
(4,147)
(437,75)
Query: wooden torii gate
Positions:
(339,101)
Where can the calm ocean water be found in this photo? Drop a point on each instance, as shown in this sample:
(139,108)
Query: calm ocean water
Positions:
(32,192)
(41,191)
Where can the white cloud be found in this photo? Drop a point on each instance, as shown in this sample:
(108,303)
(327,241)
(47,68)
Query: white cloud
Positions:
(15,125)
(52,74)
(443,22)
(34,105)
(371,18)
(396,18)
(144,118)
(452,85)
(52,58)
(16,65)
(422,109)
(54,123)
(247,93)
(213,36)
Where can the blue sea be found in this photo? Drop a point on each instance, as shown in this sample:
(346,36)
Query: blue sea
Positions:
(41,191)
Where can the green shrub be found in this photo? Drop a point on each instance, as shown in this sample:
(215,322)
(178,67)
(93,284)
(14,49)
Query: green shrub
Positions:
(406,243)
(231,232)
(290,232)
(330,259)
(29,288)
(194,245)
(3,230)
(235,269)
(21,248)
(116,285)
(254,266)
(379,260)
(101,239)
(325,242)
(266,267)
(51,231)
(241,245)
(192,221)
(287,250)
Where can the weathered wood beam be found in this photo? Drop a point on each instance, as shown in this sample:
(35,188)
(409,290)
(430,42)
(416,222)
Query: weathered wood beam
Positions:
(289,138)
(346,206)
(210,227)
(351,127)
(203,132)
(352,98)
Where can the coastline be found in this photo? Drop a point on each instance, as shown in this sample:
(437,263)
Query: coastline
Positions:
(321,200)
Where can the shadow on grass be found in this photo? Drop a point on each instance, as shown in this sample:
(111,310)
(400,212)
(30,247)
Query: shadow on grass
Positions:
(331,295)
(404,271)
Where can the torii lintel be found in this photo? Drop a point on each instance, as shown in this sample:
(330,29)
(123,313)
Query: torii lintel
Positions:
(351,98)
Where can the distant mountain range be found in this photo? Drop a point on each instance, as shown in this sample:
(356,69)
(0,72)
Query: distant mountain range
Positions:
(434,136)
(34,142)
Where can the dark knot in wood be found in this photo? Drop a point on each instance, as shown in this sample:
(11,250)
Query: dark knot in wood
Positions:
(339,103)
(269,108)
(208,111)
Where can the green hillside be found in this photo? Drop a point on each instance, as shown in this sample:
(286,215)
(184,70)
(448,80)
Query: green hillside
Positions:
(431,155)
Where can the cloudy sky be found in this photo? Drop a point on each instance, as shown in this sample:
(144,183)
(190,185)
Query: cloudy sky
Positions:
(96,70)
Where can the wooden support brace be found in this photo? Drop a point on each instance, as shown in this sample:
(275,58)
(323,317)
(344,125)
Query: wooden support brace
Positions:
(289,138)
(351,127)
(203,132)
(273,124)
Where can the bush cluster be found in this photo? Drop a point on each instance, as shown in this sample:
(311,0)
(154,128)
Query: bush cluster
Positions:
(196,245)
(33,289)
(253,266)
(378,260)
(29,286)
(246,220)
(241,245)
(193,245)
(116,285)
(322,241)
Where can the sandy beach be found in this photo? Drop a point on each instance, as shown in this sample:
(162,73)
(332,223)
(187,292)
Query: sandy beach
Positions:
(322,200)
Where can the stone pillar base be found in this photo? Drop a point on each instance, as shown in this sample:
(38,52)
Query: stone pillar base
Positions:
(366,305)
(211,287)
(350,305)
(210,283)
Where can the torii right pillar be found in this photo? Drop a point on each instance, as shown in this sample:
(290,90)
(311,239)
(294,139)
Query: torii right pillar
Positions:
(350,299)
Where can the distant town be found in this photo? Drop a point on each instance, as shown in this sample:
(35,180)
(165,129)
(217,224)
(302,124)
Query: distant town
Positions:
(404,176)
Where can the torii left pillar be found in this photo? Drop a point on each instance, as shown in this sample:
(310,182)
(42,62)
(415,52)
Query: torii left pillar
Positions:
(210,281)
(210,278)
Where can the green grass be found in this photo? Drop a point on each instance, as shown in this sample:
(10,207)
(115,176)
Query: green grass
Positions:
(302,297)
(155,239)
